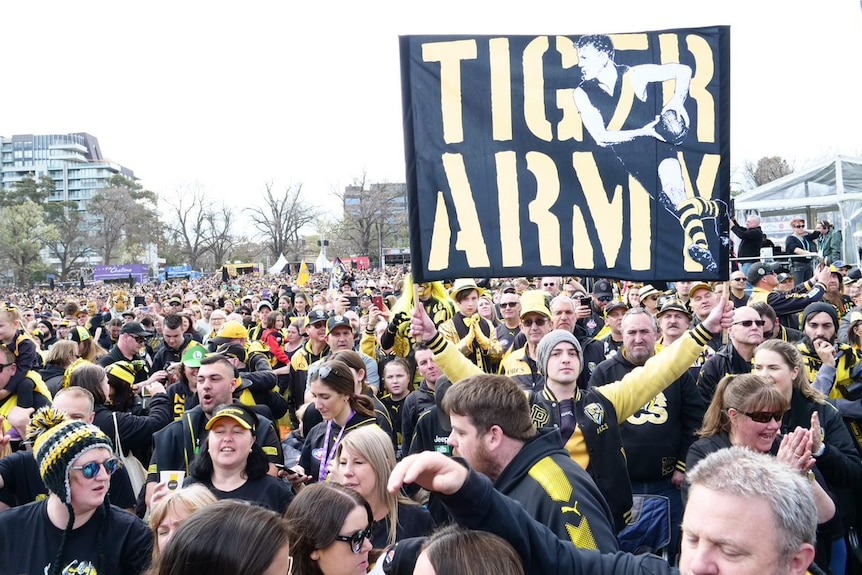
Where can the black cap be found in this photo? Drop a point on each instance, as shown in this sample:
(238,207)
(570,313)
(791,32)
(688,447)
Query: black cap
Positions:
(315,316)
(134,328)
(759,270)
(602,288)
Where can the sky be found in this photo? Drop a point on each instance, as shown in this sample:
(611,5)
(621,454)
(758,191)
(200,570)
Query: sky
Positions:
(229,96)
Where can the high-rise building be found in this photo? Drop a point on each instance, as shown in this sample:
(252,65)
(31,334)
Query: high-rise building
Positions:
(73,161)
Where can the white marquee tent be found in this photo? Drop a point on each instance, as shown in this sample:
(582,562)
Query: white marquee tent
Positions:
(831,190)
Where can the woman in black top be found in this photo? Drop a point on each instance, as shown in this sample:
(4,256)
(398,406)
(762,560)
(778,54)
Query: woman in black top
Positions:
(233,466)
(800,244)
(364,461)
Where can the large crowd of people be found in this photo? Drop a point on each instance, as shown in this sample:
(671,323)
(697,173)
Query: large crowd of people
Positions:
(369,423)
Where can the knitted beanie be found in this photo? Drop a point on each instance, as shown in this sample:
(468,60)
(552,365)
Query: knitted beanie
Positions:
(820,307)
(58,443)
(549,342)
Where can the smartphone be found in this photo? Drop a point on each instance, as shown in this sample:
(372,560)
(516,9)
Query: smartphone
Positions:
(378,302)
(354,300)
(585,300)
(139,301)
(287,470)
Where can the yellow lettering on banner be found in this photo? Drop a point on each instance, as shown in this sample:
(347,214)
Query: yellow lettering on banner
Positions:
(510,209)
(450,55)
(604,213)
(441,236)
(534,89)
(470,239)
(641,226)
(638,41)
(547,193)
(570,126)
(668,47)
(698,91)
(706,176)
(501,89)
(582,246)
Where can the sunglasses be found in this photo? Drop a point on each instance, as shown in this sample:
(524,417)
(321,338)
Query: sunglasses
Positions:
(799,226)
(750,322)
(325,371)
(176,304)
(5,365)
(539,321)
(737,279)
(506,304)
(91,470)
(138,338)
(356,540)
(764,416)
(606,298)
(552,284)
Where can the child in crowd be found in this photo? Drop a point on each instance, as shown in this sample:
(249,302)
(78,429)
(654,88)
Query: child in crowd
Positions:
(396,378)
(20,343)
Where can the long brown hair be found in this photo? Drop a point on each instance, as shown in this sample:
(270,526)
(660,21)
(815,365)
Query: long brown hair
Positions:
(792,357)
(339,378)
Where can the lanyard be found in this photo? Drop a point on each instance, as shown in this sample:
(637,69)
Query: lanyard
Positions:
(330,453)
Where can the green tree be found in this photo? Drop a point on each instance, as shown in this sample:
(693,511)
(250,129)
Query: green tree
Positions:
(374,213)
(23,232)
(123,217)
(37,191)
(767,169)
(71,244)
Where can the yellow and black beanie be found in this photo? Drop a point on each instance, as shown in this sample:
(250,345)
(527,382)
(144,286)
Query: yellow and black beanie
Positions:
(124,371)
(58,443)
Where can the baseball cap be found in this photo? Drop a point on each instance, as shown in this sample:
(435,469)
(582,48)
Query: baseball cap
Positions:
(232,350)
(760,270)
(193,355)
(615,304)
(838,264)
(674,305)
(134,328)
(784,277)
(337,321)
(533,301)
(315,316)
(507,288)
(264,303)
(699,286)
(230,330)
(602,288)
(236,413)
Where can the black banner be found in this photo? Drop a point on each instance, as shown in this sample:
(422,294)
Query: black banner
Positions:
(560,155)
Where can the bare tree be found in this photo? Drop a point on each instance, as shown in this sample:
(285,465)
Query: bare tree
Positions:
(373,213)
(221,242)
(188,225)
(280,218)
(767,169)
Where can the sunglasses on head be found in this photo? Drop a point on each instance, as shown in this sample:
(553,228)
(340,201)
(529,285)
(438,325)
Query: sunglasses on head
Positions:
(91,470)
(764,416)
(750,322)
(325,371)
(356,540)
(539,321)
(506,304)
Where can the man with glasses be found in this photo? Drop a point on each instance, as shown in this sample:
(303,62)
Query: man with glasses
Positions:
(132,338)
(520,365)
(737,289)
(745,335)
(510,312)
(592,325)
(550,285)
(762,276)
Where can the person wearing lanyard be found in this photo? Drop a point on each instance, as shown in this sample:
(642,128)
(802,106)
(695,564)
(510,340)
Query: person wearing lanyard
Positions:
(342,410)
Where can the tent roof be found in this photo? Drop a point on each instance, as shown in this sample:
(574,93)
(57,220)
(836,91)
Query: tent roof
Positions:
(827,183)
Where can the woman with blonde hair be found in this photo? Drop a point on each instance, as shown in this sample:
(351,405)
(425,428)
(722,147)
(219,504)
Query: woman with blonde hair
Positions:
(87,347)
(173,509)
(363,462)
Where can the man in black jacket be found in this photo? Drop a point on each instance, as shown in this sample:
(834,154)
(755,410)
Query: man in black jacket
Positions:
(657,437)
(492,430)
(752,240)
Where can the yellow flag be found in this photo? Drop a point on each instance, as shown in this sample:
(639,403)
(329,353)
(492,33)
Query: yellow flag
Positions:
(302,278)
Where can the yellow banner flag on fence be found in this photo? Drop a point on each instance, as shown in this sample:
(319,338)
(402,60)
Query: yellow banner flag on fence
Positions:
(302,278)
